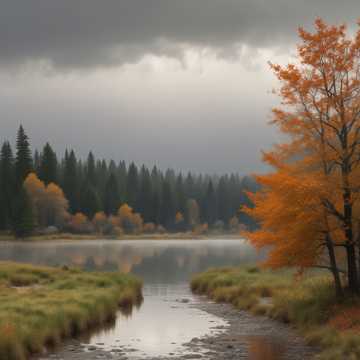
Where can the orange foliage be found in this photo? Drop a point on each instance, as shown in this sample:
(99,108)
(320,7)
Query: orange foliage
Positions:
(49,202)
(99,221)
(312,194)
(128,220)
(179,218)
(79,223)
(79,219)
(149,228)
(291,218)
(346,319)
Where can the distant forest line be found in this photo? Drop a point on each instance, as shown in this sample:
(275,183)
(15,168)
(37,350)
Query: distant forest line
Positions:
(91,192)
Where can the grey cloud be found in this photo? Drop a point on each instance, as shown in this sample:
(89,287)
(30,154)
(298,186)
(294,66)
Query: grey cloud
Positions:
(88,33)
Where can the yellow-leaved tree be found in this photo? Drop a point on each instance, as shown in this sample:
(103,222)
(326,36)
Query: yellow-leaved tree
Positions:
(129,221)
(50,206)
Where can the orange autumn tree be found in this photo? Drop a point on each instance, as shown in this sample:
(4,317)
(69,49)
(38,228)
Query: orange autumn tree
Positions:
(100,221)
(320,114)
(293,221)
(79,223)
(129,221)
(50,206)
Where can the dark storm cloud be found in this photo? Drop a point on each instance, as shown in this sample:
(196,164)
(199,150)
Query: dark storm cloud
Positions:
(209,116)
(86,33)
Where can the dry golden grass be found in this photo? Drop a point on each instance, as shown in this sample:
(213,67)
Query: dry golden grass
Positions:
(308,302)
(40,306)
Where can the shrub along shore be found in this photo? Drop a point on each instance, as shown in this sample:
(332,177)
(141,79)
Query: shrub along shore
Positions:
(308,302)
(40,306)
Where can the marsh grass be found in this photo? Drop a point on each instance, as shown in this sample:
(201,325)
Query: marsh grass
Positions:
(309,302)
(41,306)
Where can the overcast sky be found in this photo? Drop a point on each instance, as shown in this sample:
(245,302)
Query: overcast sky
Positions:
(176,83)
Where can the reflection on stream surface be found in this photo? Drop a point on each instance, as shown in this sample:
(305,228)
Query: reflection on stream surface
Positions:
(167,319)
(164,322)
(155,261)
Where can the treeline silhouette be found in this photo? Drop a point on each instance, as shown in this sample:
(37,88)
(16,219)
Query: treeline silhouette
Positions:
(166,198)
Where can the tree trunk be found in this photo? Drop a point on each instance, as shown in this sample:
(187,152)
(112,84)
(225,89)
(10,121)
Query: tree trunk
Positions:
(352,270)
(350,244)
(357,243)
(348,211)
(334,268)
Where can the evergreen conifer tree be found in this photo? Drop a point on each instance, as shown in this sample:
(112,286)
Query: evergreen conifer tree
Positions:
(111,196)
(23,163)
(91,170)
(48,165)
(168,210)
(209,210)
(71,182)
(180,195)
(132,187)
(7,189)
(145,195)
(23,215)
(90,203)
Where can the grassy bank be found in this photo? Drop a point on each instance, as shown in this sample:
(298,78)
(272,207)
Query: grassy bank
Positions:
(308,302)
(40,306)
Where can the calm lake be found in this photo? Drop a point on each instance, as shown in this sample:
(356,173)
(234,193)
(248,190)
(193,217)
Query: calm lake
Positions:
(166,319)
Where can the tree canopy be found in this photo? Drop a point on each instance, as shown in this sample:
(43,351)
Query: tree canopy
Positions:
(308,207)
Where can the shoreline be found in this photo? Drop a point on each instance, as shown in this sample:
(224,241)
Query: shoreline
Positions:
(309,304)
(93,237)
(249,336)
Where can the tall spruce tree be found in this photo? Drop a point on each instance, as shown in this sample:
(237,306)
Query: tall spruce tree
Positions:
(122,178)
(190,187)
(89,200)
(91,170)
(168,210)
(70,183)
(37,161)
(132,186)
(7,189)
(111,195)
(48,165)
(102,176)
(209,210)
(23,215)
(180,195)
(145,195)
(223,200)
(23,163)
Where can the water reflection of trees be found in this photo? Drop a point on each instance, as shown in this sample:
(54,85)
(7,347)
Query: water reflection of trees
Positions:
(159,264)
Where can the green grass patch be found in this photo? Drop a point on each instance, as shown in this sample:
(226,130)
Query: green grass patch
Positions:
(40,306)
(309,302)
